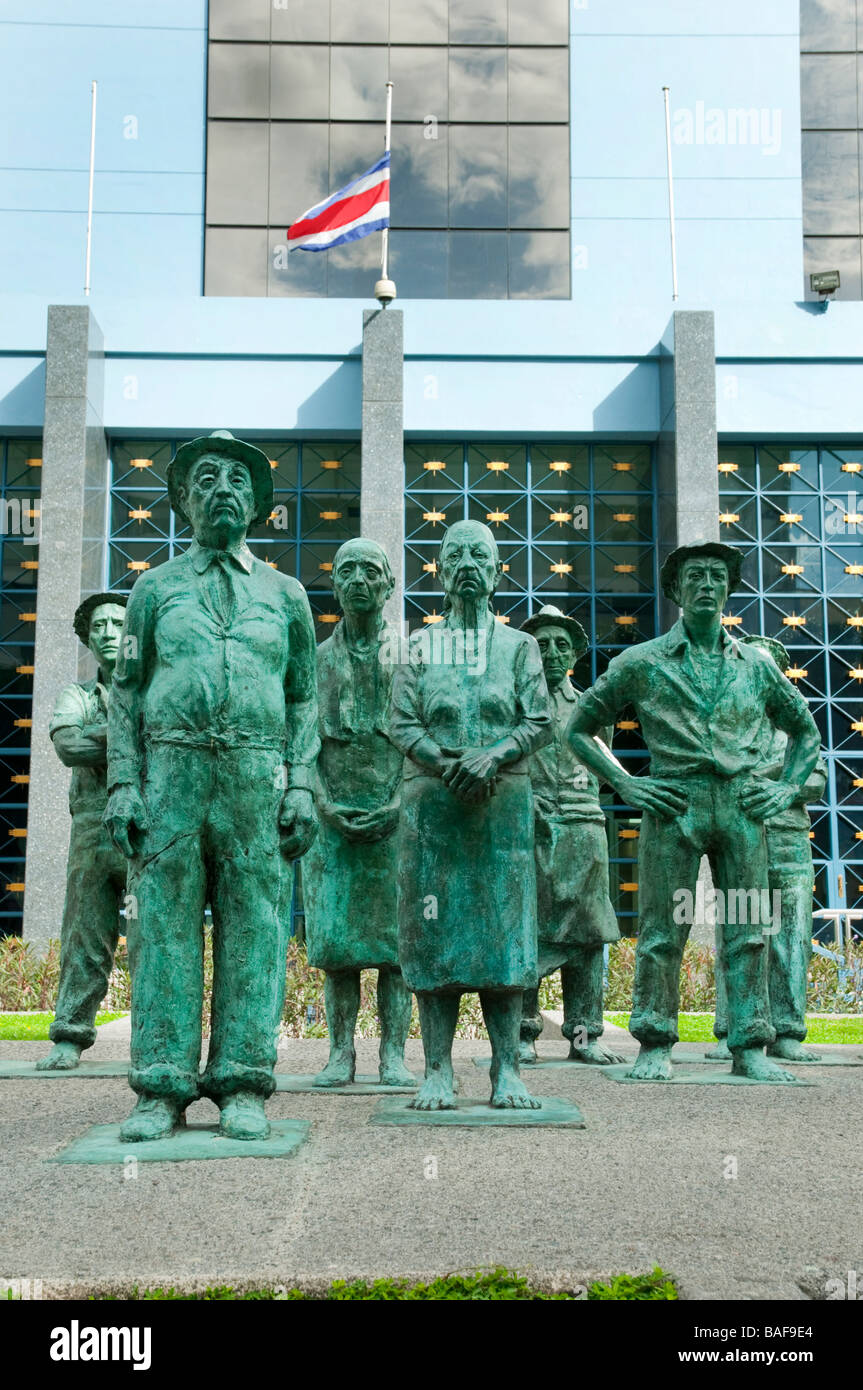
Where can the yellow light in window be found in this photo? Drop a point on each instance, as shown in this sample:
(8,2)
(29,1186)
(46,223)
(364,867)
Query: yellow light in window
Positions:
(624,569)
(23,723)
(627,724)
(20,778)
(431,567)
(141,463)
(505,569)
(27,617)
(434,465)
(139,514)
(25,670)
(728,467)
(790,518)
(728,518)
(855,673)
(858,834)
(326,566)
(793,620)
(29,564)
(622,467)
(272,564)
(854,569)
(434,517)
(433,617)
(497,517)
(624,516)
(846,467)
(625,619)
(797,673)
(138,565)
(853,518)
(14,887)
(792,569)
(274,463)
(560,466)
(497,465)
(857,726)
(788,467)
(330,464)
(731,620)
(35,511)
(328,617)
(628,834)
(560,569)
(18,834)
(561,517)
(37,463)
(854,621)
(858,782)
(629,887)
(331,516)
(502,618)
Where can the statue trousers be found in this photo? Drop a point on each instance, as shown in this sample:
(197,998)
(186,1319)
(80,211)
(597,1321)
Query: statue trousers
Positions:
(213,838)
(669,854)
(790,870)
(581,982)
(95,885)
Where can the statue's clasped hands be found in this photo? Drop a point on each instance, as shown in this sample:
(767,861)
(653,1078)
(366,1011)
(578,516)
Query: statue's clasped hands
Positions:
(471,776)
(361,827)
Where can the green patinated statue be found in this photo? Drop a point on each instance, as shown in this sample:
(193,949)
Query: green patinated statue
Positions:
(212,740)
(96,871)
(701,698)
(789,860)
(468,708)
(350,875)
(574,913)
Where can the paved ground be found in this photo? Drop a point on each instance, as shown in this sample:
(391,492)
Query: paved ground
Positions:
(644,1184)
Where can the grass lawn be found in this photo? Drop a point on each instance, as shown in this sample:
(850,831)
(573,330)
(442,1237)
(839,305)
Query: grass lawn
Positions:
(34,1027)
(699,1028)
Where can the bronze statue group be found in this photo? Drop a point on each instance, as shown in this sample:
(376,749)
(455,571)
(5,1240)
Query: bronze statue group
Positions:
(446,802)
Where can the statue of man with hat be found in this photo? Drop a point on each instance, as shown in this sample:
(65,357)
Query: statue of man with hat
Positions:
(211,750)
(96,871)
(574,913)
(350,875)
(701,698)
(789,856)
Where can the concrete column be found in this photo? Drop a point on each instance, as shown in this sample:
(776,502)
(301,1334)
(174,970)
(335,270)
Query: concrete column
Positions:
(382,516)
(71,565)
(688,476)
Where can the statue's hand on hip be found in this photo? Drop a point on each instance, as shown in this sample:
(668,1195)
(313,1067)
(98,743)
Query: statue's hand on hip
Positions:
(126,819)
(762,800)
(653,794)
(298,823)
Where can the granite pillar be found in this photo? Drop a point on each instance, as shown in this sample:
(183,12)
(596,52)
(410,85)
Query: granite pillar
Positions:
(382,477)
(72,549)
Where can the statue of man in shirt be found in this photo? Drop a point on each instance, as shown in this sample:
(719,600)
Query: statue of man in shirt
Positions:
(95,871)
(575,917)
(701,698)
(212,740)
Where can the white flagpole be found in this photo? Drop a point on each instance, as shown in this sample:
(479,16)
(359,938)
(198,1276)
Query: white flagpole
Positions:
(90,195)
(385,290)
(666,91)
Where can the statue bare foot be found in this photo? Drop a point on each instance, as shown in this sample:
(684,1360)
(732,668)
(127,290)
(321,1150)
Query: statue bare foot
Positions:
(527,1052)
(154,1117)
(594,1053)
(652,1064)
(244,1117)
(435,1093)
(751,1062)
(339,1071)
(393,1071)
(790,1050)
(720,1053)
(510,1093)
(64,1056)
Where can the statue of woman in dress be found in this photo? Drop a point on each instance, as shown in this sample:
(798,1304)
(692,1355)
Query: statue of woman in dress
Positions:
(468,708)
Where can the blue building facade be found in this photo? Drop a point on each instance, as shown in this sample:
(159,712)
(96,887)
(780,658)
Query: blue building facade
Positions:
(579,419)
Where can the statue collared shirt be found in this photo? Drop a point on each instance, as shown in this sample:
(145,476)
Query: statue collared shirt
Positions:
(79,705)
(217,648)
(688,729)
(562,786)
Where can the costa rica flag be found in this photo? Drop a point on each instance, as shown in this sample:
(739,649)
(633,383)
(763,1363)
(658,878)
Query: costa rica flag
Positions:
(361,207)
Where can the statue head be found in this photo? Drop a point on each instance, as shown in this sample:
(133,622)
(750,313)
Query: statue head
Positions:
(772,647)
(561,642)
(700,577)
(98,623)
(470,566)
(362,576)
(220,485)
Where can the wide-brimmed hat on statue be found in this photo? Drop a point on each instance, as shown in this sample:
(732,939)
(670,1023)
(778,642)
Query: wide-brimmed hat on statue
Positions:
(223,444)
(549,616)
(777,650)
(670,571)
(85,610)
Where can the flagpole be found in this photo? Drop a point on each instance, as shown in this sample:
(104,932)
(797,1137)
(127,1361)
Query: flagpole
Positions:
(665,93)
(90,194)
(385,290)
